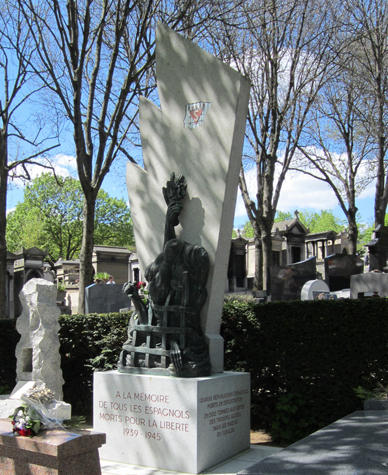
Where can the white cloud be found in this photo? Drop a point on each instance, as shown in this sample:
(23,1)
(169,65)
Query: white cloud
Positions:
(299,191)
(64,165)
(67,161)
(369,191)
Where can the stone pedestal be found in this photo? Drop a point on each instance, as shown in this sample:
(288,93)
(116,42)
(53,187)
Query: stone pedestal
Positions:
(185,425)
(51,452)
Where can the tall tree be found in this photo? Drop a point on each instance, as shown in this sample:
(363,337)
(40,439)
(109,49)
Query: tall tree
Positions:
(20,141)
(337,147)
(283,46)
(368,25)
(98,57)
(50,217)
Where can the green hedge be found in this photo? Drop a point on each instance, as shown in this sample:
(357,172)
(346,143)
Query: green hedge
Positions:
(306,358)
(9,338)
(88,343)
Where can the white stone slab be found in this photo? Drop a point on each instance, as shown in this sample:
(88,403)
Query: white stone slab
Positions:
(21,388)
(185,425)
(8,406)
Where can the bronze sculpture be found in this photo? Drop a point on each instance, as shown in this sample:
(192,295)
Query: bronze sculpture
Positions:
(164,334)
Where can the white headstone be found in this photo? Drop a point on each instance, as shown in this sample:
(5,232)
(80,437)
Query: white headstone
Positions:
(198,132)
(313,288)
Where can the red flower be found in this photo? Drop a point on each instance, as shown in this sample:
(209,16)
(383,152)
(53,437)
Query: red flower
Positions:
(139,285)
(24,432)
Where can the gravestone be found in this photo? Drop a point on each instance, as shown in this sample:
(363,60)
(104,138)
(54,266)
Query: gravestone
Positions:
(378,248)
(103,298)
(339,268)
(364,285)
(314,288)
(186,424)
(286,282)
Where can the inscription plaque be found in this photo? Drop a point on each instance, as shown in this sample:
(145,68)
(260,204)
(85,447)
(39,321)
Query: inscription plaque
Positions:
(205,419)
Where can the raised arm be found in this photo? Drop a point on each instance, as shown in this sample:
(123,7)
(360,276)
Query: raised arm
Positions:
(173,193)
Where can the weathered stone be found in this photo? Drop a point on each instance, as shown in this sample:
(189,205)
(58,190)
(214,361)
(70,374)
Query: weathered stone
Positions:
(37,352)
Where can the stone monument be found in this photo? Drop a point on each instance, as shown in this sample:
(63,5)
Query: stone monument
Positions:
(201,416)
(38,360)
(37,352)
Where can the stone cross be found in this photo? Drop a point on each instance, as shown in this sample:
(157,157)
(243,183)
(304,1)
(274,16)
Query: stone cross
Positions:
(198,132)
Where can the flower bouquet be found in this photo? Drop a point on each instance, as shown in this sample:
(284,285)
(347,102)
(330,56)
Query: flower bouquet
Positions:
(37,412)
(26,421)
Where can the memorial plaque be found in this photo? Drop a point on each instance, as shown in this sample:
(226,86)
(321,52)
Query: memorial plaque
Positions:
(180,424)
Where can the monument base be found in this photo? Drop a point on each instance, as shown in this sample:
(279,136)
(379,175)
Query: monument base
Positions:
(184,425)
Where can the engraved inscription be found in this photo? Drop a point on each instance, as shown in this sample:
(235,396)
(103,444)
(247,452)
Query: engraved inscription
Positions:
(144,415)
(224,411)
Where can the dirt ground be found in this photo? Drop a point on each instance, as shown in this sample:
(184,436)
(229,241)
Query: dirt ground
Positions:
(259,437)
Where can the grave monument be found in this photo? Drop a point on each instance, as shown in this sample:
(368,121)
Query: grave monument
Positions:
(38,360)
(170,405)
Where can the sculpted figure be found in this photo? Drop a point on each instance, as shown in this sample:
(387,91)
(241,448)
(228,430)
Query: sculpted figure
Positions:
(168,320)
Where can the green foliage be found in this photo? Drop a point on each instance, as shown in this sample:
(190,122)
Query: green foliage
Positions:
(381,392)
(51,218)
(304,358)
(89,343)
(323,221)
(290,421)
(281,216)
(113,222)
(306,354)
(247,230)
(364,236)
(102,276)
(61,287)
(9,339)
(326,220)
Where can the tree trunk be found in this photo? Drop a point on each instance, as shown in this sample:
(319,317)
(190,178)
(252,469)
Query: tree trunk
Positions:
(3,245)
(86,268)
(353,231)
(258,278)
(3,222)
(267,252)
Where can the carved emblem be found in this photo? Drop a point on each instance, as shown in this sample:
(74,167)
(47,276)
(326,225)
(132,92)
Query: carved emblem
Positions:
(195,114)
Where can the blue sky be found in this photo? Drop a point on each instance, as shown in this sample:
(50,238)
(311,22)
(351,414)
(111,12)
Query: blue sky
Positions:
(299,191)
